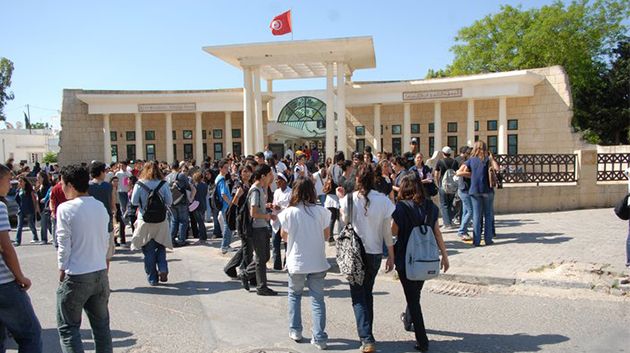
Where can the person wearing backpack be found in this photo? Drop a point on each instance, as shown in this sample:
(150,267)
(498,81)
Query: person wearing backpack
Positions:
(222,198)
(412,206)
(444,173)
(152,197)
(370,217)
(179,186)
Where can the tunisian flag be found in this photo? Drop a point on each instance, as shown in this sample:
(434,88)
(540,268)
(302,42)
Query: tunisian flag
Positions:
(281,24)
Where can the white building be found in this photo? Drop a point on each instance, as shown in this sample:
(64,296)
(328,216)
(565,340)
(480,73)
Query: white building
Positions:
(28,146)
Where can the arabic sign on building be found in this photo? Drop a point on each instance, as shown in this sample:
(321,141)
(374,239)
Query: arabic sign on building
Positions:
(167,107)
(432,94)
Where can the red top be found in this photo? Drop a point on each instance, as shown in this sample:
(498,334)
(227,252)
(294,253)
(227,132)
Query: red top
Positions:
(57,197)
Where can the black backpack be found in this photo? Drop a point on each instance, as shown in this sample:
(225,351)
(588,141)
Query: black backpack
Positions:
(622,210)
(155,210)
(216,201)
(244,218)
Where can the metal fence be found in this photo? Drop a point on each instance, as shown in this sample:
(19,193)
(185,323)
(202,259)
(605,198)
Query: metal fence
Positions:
(611,166)
(537,168)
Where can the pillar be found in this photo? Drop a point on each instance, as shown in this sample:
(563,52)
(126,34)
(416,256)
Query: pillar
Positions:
(502,139)
(139,137)
(270,116)
(228,133)
(248,136)
(377,128)
(198,138)
(470,124)
(170,158)
(107,140)
(259,132)
(406,125)
(341,108)
(437,125)
(330,112)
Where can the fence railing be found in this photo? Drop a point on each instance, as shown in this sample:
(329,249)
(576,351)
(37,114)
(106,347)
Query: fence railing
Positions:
(538,168)
(611,166)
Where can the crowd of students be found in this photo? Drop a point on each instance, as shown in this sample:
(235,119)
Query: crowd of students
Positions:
(293,203)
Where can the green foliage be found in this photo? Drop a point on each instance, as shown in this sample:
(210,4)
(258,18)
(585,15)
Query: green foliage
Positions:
(50,157)
(6,71)
(579,36)
(38,125)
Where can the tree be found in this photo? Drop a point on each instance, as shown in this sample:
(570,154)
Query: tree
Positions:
(6,71)
(580,36)
(38,125)
(50,157)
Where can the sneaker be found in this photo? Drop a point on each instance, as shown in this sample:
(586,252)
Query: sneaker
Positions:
(266,291)
(16,244)
(200,242)
(244,281)
(43,243)
(34,241)
(224,251)
(467,238)
(153,284)
(368,347)
(163,276)
(296,336)
(320,345)
(421,348)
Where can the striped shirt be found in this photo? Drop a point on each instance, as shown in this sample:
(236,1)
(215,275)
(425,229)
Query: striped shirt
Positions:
(6,276)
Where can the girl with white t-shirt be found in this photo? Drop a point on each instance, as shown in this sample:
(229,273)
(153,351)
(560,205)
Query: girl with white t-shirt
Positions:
(371,219)
(305,229)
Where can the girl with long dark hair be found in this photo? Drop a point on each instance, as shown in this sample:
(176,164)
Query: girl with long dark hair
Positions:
(333,180)
(29,208)
(43,195)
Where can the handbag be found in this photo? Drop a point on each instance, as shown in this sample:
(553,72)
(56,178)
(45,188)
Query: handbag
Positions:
(330,187)
(493,178)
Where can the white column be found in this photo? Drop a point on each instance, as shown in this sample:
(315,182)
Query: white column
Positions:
(248,146)
(107,140)
(341,108)
(406,125)
(270,116)
(470,124)
(437,125)
(377,128)
(228,133)
(170,158)
(139,137)
(330,112)
(258,109)
(502,140)
(198,138)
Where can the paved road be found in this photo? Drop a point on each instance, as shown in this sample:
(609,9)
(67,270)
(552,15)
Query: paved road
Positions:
(201,310)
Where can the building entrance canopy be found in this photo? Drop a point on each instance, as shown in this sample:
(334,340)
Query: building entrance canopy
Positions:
(295,60)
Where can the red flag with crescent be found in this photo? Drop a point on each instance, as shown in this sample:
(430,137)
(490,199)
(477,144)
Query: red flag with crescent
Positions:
(281,24)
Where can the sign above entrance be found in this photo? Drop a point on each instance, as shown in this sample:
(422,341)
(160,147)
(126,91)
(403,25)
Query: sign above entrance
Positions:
(432,94)
(167,107)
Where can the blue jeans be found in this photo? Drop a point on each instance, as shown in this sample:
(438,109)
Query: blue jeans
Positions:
(123,199)
(483,211)
(201,225)
(208,214)
(446,207)
(45,225)
(467,212)
(322,199)
(227,233)
(154,260)
(30,220)
(315,282)
(89,292)
(18,317)
(179,223)
(53,221)
(363,300)
(216,231)
(276,242)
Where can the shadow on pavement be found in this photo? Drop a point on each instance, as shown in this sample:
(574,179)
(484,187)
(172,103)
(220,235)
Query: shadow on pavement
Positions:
(187,288)
(504,223)
(456,246)
(489,343)
(50,340)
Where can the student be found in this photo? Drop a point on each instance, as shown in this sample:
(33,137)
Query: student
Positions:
(83,238)
(28,209)
(446,200)
(224,190)
(413,205)
(102,191)
(305,229)
(371,218)
(281,199)
(16,311)
(178,181)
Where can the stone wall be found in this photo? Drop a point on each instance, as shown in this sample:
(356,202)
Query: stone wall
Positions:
(81,136)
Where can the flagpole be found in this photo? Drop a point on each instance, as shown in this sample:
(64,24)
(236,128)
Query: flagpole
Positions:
(28,109)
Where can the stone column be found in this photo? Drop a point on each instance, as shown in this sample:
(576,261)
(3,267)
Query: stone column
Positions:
(228,133)
(270,116)
(470,124)
(198,138)
(170,158)
(437,125)
(258,109)
(139,137)
(248,133)
(406,125)
(342,136)
(502,140)
(107,140)
(330,111)
(377,128)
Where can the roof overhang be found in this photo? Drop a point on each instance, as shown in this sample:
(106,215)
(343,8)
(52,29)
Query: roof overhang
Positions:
(300,58)
(125,102)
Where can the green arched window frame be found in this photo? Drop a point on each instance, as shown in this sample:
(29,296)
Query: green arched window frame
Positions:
(302,110)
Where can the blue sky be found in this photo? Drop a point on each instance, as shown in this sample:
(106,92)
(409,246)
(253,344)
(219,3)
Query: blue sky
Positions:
(157,44)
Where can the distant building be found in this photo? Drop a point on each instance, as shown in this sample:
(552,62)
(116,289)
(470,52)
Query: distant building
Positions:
(27,146)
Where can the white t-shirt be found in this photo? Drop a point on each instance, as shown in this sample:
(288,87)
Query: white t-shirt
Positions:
(282,199)
(301,168)
(281,167)
(123,180)
(319,183)
(305,225)
(370,227)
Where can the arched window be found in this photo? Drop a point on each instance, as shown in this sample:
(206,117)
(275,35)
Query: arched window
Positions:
(308,113)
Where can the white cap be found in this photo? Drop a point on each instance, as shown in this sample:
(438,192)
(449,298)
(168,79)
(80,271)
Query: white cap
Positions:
(447,150)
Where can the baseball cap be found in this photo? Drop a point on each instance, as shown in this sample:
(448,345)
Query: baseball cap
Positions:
(414,141)
(447,150)
(281,176)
